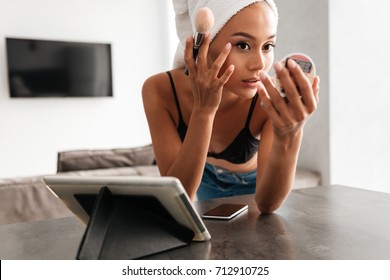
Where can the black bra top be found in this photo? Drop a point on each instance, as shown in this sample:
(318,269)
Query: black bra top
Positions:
(243,147)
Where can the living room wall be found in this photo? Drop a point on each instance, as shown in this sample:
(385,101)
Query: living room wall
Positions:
(348,138)
(359,71)
(32,131)
(303,27)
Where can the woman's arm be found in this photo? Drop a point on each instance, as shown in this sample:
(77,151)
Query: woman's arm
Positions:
(186,160)
(282,133)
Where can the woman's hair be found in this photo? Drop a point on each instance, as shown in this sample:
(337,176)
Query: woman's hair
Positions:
(223,11)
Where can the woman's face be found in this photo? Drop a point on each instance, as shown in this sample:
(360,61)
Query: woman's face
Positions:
(252,33)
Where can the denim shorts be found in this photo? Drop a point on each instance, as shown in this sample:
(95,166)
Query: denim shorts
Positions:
(220,182)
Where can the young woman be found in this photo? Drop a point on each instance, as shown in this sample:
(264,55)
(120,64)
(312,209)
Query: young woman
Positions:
(224,130)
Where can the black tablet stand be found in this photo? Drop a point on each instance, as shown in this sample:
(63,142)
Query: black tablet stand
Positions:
(128,227)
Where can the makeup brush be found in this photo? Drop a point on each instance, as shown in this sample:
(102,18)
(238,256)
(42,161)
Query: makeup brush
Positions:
(204,21)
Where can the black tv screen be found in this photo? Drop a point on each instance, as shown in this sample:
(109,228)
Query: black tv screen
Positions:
(42,68)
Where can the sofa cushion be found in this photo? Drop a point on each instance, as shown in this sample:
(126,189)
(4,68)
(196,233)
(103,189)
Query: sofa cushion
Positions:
(28,199)
(147,170)
(104,158)
(25,199)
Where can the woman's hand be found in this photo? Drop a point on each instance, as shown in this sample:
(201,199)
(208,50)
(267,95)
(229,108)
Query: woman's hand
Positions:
(206,83)
(288,118)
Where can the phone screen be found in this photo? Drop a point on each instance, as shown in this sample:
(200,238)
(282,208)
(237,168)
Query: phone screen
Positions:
(225,211)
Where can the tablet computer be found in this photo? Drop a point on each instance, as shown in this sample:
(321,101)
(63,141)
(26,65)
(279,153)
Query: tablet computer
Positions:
(169,191)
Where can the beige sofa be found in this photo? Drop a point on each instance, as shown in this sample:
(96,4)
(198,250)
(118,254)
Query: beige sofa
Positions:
(28,199)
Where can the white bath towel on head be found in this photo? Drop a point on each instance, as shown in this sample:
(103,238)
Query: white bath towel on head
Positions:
(223,10)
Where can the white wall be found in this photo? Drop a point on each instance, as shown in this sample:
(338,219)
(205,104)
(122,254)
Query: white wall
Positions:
(32,131)
(303,27)
(348,139)
(360,95)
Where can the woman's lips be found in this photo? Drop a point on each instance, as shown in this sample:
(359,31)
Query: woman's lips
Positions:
(252,83)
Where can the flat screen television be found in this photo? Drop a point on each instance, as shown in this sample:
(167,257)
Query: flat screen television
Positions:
(42,68)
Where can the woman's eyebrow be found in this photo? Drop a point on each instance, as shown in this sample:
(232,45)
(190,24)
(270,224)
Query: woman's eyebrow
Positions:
(249,36)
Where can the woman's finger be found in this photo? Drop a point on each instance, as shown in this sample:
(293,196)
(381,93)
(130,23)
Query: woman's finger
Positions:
(201,60)
(188,56)
(316,88)
(218,63)
(226,75)
(288,84)
(301,86)
(265,100)
(277,101)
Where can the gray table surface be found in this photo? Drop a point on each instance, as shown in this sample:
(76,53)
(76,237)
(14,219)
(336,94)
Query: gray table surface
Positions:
(326,222)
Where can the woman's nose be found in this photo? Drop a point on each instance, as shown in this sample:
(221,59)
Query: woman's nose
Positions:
(257,61)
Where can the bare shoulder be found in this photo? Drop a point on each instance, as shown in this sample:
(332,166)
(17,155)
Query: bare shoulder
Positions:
(153,84)
(157,90)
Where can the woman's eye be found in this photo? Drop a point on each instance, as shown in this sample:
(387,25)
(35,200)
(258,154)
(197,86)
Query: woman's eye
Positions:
(269,46)
(243,46)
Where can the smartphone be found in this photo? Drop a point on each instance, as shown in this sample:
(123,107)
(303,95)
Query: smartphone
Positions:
(225,211)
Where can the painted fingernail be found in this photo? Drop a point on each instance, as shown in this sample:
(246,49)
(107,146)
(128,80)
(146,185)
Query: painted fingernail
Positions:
(228,46)
(278,66)
(231,68)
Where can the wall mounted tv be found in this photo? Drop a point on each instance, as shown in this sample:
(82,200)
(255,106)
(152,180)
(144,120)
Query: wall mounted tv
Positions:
(42,68)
